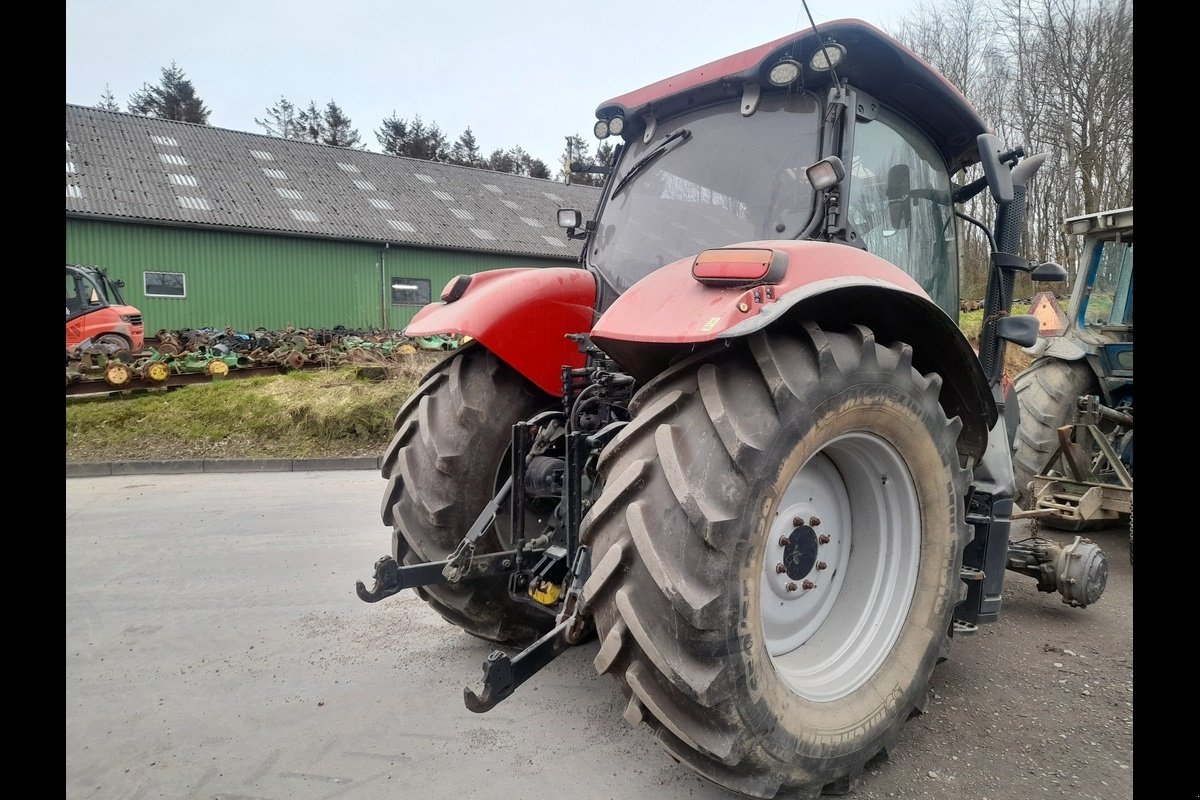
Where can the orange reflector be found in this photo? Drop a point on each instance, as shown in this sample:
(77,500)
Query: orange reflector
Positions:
(738,267)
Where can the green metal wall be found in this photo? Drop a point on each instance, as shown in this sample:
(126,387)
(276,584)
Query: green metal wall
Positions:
(249,280)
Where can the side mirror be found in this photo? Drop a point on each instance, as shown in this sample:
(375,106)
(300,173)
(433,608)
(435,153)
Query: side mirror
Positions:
(898,192)
(1050,272)
(899,182)
(999,176)
(1020,329)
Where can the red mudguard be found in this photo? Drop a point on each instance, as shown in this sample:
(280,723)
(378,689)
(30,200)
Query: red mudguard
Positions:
(523,316)
(670,306)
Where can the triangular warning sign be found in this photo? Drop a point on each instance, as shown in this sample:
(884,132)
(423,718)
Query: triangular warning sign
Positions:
(1051,319)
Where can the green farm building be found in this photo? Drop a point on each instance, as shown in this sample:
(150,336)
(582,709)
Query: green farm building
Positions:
(211,228)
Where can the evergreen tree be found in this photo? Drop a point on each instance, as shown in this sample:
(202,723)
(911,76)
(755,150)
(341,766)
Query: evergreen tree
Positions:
(413,139)
(604,153)
(173,98)
(337,128)
(502,161)
(527,164)
(535,167)
(311,124)
(516,161)
(107,101)
(282,120)
(466,151)
(392,134)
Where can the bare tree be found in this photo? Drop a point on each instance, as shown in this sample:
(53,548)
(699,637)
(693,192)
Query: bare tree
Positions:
(1054,76)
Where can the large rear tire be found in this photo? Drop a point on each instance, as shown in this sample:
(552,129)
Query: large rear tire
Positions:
(790,460)
(446,461)
(1046,394)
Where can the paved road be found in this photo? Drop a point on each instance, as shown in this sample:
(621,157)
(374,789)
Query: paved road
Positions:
(216,649)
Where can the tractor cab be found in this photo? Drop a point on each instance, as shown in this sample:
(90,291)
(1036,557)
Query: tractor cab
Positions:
(849,138)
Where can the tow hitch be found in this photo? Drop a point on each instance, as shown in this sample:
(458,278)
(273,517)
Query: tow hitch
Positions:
(502,675)
(553,456)
(390,577)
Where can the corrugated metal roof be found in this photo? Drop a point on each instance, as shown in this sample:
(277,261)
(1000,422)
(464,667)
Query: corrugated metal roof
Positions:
(125,166)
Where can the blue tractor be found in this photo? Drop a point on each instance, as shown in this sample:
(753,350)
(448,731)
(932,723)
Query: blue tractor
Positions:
(1073,448)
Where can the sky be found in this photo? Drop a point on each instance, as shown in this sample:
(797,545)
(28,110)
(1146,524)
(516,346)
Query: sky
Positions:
(525,72)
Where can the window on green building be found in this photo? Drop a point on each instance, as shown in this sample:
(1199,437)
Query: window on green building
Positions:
(410,291)
(164,284)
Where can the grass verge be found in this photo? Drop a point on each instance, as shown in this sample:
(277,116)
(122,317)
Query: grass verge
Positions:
(331,413)
(303,414)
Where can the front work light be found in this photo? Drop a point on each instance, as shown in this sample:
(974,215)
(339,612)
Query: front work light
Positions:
(601,129)
(825,173)
(569,218)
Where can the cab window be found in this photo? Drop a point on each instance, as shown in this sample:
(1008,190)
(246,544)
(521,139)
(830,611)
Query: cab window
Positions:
(900,204)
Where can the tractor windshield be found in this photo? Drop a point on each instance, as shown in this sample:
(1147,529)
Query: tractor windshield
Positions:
(730,179)
(88,290)
(1108,301)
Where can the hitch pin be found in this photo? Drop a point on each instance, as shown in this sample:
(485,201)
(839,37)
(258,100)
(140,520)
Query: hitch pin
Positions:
(459,562)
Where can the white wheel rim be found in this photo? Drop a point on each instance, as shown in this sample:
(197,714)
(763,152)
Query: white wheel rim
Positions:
(832,617)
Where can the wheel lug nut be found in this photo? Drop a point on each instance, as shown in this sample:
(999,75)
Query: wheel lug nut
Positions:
(821,565)
(791,587)
(814,521)
(780,568)
(797,522)
(823,538)
(809,585)
(784,541)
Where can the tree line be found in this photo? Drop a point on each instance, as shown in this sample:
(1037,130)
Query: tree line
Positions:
(174,97)
(1053,76)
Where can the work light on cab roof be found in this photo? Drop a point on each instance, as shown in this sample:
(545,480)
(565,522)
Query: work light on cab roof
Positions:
(609,127)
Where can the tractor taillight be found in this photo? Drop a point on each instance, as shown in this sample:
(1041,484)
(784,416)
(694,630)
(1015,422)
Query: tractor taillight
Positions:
(456,288)
(739,266)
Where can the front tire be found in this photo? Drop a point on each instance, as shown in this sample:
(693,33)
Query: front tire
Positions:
(116,345)
(787,449)
(446,461)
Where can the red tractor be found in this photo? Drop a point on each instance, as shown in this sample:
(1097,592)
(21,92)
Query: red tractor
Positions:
(744,445)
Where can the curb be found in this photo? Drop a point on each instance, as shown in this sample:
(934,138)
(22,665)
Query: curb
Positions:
(99,469)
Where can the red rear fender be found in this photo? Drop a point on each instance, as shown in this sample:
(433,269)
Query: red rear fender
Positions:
(669,306)
(523,316)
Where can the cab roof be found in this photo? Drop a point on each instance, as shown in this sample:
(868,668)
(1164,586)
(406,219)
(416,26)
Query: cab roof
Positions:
(875,63)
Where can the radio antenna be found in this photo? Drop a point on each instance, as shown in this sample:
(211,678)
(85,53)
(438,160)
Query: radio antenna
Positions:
(824,51)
